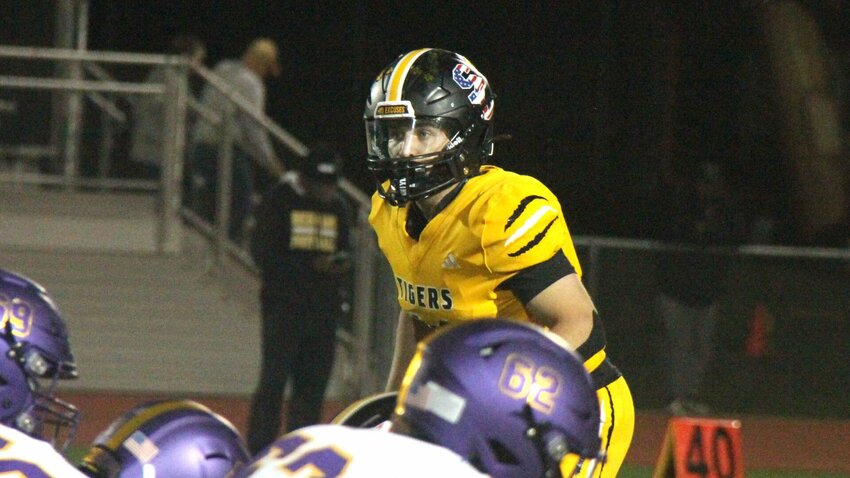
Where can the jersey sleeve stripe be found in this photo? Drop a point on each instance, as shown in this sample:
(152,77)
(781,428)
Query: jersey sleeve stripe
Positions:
(539,237)
(528,224)
(520,208)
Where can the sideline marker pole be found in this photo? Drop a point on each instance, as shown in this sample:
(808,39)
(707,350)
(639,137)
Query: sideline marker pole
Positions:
(701,448)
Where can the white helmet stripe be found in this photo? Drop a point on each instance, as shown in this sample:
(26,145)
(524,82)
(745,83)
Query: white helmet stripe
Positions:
(399,74)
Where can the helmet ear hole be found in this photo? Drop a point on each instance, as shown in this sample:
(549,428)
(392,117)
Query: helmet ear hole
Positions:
(476,461)
(502,453)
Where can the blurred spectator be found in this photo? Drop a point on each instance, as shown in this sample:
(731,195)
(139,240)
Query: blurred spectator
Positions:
(699,218)
(251,141)
(301,246)
(146,141)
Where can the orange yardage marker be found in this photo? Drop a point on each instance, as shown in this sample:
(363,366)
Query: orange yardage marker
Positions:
(701,448)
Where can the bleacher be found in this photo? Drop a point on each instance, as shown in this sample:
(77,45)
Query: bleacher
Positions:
(140,321)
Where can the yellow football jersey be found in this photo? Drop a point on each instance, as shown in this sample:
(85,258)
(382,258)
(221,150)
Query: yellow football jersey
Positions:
(499,224)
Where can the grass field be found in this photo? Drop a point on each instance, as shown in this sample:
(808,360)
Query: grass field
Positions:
(646,472)
(75,454)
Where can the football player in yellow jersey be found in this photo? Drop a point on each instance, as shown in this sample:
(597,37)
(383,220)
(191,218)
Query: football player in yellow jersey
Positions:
(469,241)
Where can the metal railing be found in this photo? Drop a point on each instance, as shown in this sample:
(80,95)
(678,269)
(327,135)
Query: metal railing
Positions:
(103,90)
(783,316)
(619,276)
(173,131)
(595,245)
(365,248)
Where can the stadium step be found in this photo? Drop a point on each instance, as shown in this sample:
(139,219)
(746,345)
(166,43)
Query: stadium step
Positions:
(154,323)
(56,218)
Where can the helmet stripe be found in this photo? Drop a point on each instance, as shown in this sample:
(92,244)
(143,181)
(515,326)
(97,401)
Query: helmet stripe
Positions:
(399,74)
(131,425)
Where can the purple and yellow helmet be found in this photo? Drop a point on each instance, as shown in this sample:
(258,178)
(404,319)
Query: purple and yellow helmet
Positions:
(166,438)
(509,397)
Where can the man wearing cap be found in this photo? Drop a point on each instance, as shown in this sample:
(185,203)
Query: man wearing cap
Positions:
(251,141)
(301,246)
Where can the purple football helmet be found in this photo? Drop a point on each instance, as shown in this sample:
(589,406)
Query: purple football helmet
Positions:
(509,397)
(35,356)
(166,438)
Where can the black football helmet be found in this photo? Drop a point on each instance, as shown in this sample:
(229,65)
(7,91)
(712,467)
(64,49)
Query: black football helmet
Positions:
(368,412)
(427,88)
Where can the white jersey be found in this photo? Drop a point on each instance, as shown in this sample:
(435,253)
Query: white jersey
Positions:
(23,455)
(336,451)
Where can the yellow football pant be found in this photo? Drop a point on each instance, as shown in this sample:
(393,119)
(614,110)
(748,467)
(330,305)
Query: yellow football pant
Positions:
(618,426)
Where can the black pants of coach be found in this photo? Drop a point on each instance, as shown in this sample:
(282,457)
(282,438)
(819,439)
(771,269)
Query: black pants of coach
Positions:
(298,342)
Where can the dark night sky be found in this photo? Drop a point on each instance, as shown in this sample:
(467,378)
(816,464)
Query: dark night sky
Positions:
(541,61)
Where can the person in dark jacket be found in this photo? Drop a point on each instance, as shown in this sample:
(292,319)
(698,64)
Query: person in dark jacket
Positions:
(701,226)
(301,247)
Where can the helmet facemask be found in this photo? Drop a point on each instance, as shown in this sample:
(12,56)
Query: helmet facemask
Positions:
(56,420)
(413,158)
(45,416)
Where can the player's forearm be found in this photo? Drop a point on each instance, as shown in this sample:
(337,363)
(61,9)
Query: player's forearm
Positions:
(405,347)
(574,331)
(565,309)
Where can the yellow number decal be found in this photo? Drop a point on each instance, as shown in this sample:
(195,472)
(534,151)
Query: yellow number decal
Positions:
(522,379)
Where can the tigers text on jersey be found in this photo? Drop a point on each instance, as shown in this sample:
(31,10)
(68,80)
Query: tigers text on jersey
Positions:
(499,224)
(25,456)
(336,451)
